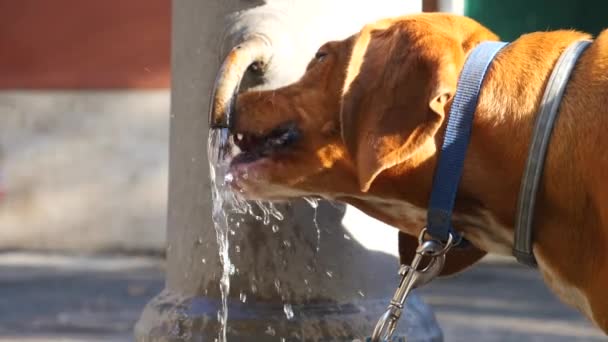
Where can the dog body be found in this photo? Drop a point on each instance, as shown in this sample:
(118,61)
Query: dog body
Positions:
(368,117)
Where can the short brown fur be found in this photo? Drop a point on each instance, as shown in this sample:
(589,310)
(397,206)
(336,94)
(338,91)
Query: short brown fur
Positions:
(372,115)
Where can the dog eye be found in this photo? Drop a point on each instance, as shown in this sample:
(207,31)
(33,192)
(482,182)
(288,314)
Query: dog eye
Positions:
(320,55)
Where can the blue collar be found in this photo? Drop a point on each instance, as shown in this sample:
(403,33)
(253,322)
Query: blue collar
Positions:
(457,136)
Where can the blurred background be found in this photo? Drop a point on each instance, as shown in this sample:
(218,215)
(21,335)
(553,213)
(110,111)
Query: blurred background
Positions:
(84,123)
(84,127)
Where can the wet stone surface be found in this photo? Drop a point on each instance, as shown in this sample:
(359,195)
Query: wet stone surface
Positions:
(65,298)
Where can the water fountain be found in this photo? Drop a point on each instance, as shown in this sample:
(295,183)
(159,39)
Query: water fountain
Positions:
(296,271)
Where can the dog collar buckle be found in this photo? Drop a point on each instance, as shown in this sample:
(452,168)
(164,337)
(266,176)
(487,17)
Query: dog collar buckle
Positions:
(412,276)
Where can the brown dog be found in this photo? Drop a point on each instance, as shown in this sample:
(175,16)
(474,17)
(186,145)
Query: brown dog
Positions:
(363,126)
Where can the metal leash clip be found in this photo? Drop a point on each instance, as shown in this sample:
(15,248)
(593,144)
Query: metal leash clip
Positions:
(412,277)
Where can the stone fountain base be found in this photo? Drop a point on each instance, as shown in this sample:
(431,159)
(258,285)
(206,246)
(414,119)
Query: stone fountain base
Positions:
(169,318)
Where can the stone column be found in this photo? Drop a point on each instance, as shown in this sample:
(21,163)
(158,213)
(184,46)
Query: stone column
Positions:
(321,274)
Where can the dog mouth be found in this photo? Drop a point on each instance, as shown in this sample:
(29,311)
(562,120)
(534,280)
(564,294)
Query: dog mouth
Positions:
(255,147)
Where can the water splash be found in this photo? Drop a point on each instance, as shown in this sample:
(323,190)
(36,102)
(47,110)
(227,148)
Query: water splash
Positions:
(227,202)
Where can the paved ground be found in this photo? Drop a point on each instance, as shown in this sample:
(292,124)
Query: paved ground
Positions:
(55,298)
(503,301)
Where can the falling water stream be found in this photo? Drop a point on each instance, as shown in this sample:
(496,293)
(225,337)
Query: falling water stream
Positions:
(226,201)
(218,166)
(228,204)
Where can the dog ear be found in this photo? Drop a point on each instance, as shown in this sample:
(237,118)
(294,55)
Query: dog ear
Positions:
(397,87)
(456,260)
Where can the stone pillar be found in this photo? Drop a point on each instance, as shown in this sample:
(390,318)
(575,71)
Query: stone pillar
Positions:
(315,276)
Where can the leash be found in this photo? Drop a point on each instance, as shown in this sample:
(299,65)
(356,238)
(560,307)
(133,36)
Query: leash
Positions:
(541,136)
(457,136)
(445,185)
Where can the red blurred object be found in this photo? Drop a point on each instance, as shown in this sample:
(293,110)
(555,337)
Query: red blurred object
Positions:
(85,44)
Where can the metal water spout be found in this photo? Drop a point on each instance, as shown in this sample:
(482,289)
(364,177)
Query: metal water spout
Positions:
(316,275)
(254,51)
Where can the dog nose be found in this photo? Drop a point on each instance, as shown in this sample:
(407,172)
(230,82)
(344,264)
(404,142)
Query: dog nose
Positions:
(255,49)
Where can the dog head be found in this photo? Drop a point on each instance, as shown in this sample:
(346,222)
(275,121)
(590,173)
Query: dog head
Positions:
(368,107)
(290,137)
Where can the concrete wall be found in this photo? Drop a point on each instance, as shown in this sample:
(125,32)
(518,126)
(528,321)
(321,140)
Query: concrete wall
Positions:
(83,170)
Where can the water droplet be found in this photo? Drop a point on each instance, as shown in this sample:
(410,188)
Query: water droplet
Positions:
(347,237)
(329,274)
(193,159)
(275,212)
(237,249)
(286,243)
(277,285)
(200,241)
(288,311)
(265,211)
(232,232)
(243,297)
(204,261)
(313,202)
(361,293)
(275,228)
(270,331)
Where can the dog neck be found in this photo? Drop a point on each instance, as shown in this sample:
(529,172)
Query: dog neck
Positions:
(503,127)
(486,204)
(570,222)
